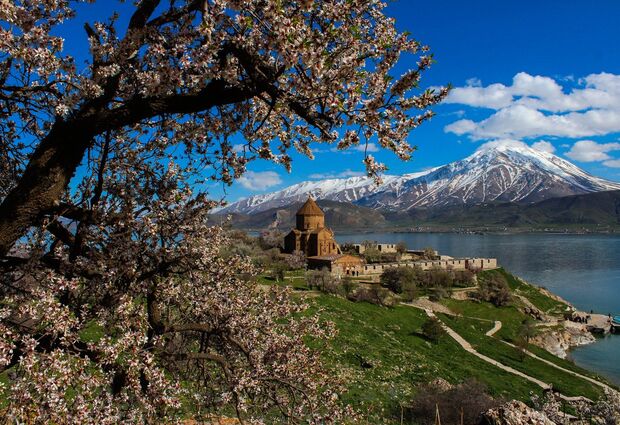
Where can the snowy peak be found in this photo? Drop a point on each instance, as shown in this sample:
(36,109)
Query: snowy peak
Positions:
(496,172)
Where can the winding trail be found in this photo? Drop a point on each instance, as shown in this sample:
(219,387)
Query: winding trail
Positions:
(468,347)
(498,325)
(496,328)
(571,372)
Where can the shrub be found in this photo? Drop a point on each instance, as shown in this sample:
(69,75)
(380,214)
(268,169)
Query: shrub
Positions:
(437,294)
(469,399)
(348,285)
(401,247)
(432,329)
(271,238)
(323,281)
(410,292)
(277,271)
(296,260)
(495,290)
(374,294)
(398,278)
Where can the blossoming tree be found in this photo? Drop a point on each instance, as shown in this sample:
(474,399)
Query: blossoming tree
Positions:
(117,303)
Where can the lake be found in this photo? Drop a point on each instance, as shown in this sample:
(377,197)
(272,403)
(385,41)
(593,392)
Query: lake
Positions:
(583,269)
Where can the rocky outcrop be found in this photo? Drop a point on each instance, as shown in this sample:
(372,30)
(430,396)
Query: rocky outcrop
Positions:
(515,413)
(560,340)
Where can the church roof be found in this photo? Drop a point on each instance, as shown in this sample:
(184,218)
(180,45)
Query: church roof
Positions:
(310,208)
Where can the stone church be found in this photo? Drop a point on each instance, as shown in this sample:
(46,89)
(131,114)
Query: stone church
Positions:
(310,234)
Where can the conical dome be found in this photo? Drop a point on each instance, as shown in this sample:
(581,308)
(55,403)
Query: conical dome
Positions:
(310,208)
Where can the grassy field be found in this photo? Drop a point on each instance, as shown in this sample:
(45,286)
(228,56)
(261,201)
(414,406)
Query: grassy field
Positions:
(389,341)
(474,332)
(381,354)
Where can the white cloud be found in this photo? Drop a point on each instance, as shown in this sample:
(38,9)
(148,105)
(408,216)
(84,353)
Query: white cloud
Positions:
(543,146)
(370,147)
(362,147)
(613,163)
(520,121)
(473,82)
(535,106)
(461,127)
(590,151)
(260,180)
(540,92)
(336,175)
(495,96)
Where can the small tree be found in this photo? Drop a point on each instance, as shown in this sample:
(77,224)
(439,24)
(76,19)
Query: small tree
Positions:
(429,253)
(401,247)
(278,271)
(465,402)
(397,278)
(410,291)
(372,255)
(323,280)
(433,330)
(527,330)
(348,285)
(296,260)
(271,238)
(495,290)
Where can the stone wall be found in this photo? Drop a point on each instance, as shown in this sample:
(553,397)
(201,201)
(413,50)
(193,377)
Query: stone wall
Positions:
(454,264)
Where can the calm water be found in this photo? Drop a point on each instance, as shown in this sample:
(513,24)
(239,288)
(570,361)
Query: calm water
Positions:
(583,269)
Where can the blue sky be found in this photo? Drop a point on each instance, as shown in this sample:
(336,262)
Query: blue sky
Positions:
(526,70)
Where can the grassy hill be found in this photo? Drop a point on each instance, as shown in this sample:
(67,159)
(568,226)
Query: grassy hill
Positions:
(382,355)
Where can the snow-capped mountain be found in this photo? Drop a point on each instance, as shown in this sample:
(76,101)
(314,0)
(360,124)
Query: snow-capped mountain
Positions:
(495,172)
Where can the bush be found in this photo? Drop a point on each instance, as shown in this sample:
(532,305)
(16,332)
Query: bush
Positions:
(397,279)
(470,399)
(401,247)
(374,294)
(437,294)
(348,285)
(433,330)
(272,238)
(410,292)
(323,281)
(464,278)
(277,271)
(495,290)
(296,260)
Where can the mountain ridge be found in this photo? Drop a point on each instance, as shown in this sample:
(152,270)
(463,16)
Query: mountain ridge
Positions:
(496,172)
(593,211)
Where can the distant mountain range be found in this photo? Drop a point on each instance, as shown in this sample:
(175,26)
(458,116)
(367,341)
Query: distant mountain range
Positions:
(599,210)
(513,174)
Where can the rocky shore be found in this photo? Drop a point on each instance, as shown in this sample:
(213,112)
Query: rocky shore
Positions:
(560,339)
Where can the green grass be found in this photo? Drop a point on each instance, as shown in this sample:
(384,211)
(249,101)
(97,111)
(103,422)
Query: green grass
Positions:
(541,301)
(474,332)
(389,340)
(510,316)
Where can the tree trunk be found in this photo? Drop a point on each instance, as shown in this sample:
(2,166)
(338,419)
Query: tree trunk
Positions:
(45,179)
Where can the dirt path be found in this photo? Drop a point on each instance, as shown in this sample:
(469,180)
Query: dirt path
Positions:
(578,375)
(467,347)
(498,325)
(496,328)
